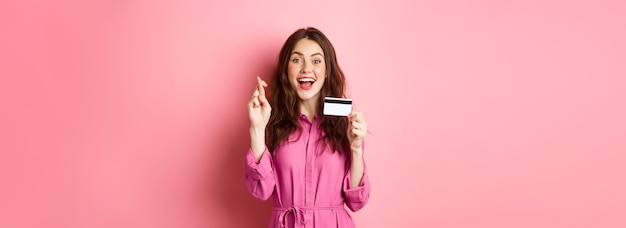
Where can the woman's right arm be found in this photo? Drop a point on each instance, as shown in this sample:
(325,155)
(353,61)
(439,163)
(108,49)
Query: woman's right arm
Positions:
(259,166)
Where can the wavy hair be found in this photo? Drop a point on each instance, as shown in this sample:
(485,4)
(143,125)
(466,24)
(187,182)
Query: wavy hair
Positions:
(285,103)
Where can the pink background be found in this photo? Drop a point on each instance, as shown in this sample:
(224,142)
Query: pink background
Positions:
(482,113)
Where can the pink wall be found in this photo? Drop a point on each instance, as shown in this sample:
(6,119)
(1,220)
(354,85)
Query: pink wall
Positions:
(482,113)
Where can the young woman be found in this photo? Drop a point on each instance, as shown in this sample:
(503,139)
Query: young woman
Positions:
(310,163)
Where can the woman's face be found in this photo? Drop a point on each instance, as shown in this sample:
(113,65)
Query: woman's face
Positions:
(307,69)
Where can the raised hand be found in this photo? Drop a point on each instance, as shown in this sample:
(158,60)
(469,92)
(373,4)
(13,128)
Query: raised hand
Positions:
(357,128)
(259,109)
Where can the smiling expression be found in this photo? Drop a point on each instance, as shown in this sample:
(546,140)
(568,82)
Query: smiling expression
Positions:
(307,69)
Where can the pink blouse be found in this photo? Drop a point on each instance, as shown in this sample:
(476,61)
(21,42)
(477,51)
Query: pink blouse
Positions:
(309,183)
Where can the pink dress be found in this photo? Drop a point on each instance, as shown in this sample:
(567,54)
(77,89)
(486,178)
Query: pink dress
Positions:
(309,184)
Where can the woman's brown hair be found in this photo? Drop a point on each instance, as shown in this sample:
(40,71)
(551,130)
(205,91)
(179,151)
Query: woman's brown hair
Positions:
(285,103)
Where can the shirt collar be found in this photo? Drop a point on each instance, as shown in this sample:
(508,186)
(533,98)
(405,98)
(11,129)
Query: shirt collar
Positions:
(305,119)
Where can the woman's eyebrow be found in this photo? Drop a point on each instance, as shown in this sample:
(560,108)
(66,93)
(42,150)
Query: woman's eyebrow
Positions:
(298,53)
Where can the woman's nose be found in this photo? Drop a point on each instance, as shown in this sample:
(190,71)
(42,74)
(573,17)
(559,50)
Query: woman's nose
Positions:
(306,67)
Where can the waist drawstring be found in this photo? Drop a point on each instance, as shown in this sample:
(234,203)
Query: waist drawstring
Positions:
(298,213)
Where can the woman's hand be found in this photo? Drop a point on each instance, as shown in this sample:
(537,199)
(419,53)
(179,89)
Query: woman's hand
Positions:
(259,109)
(357,128)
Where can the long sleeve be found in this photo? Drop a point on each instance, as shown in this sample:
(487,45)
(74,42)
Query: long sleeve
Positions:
(357,197)
(259,177)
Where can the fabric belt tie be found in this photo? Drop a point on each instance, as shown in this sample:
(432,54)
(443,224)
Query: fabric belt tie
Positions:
(298,213)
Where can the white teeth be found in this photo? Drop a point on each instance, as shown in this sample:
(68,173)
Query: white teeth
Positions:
(306,80)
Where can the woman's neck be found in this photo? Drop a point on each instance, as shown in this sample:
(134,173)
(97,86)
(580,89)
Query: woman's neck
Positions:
(309,108)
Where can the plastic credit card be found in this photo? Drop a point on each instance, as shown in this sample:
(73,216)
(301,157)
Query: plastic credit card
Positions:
(337,106)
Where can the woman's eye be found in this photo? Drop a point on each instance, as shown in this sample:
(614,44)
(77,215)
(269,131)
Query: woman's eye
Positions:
(295,60)
(317,61)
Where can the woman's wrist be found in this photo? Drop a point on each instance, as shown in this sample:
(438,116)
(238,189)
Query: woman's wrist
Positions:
(357,151)
(356,147)
(255,130)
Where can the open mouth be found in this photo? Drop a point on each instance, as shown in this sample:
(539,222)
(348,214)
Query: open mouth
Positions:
(306,83)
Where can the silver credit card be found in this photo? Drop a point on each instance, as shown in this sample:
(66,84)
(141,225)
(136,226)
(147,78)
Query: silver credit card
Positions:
(337,106)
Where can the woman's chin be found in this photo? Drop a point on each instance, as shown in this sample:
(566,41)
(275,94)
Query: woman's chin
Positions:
(306,96)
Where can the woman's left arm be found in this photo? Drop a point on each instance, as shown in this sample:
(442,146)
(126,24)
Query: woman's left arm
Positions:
(357,128)
(356,185)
